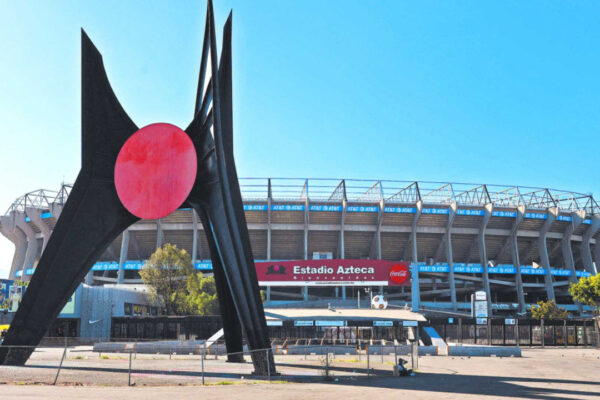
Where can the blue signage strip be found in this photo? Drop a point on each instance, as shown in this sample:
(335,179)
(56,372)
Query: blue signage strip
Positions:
(271,322)
(561,272)
(288,207)
(362,209)
(469,269)
(330,323)
(434,268)
(435,211)
(505,214)
(478,213)
(304,323)
(533,271)
(584,274)
(502,269)
(255,207)
(400,210)
(566,218)
(383,323)
(531,215)
(324,208)
(587,221)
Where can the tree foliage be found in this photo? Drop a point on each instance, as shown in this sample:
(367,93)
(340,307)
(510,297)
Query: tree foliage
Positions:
(175,285)
(587,291)
(548,310)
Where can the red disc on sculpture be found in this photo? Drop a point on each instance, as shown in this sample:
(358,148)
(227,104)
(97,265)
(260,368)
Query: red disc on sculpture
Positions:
(155,170)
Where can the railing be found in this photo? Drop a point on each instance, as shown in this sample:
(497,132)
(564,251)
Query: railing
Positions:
(374,191)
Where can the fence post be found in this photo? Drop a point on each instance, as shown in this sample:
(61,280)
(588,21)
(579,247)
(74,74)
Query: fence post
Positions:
(543,330)
(61,362)
(268,366)
(395,354)
(327,362)
(129,374)
(565,333)
(203,363)
(304,353)
(381,350)
(368,362)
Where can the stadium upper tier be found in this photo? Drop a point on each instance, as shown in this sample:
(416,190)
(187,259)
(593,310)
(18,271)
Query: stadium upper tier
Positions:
(448,225)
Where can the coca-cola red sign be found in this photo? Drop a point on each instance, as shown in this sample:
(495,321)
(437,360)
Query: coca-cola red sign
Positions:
(333,273)
(399,273)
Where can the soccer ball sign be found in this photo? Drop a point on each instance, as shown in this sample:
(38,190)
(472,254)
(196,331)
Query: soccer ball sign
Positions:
(379,302)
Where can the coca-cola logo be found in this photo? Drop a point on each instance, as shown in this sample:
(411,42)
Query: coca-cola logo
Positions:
(399,273)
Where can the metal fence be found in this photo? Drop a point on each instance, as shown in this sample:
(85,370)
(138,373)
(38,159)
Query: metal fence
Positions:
(157,363)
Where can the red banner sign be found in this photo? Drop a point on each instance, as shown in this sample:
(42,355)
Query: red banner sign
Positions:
(333,273)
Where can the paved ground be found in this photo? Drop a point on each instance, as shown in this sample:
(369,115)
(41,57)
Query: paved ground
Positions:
(539,374)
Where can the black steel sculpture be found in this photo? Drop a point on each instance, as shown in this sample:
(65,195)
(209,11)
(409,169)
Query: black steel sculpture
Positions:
(94,214)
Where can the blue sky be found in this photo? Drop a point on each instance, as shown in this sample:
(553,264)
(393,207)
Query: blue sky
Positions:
(488,92)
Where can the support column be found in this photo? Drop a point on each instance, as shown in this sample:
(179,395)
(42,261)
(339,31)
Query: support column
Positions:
(159,234)
(516,260)
(9,229)
(586,251)
(306,222)
(56,210)
(375,250)
(194,237)
(597,257)
(36,218)
(414,257)
(32,244)
(449,258)
(565,243)
(567,251)
(123,256)
(483,260)
(342,243)
(543,251)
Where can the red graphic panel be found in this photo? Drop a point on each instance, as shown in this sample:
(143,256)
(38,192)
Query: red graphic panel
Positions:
(155,170)
(333,273)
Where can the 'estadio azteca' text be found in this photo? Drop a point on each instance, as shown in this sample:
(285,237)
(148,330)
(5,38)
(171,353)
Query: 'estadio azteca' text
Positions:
(328,270)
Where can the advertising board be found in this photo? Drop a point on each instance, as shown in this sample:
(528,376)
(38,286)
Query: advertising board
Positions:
(333,273)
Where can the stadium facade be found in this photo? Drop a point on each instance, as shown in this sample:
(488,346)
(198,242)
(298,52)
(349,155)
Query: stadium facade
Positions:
(517,244)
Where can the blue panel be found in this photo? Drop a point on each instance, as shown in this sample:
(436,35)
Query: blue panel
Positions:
(106,266)
(505,214)
(287,207)
(204,265)
(435,211)
(560,272)
(566,218)
(19,273)
(383,323)
(587,221)
(584,274)
(400,210)
(304,323)
(46,215)
(27,219)
(362,209)
(470,212)
(502,269)
(29,271)
(434,268)
(319,207)
(330,323)
(431,332)
(133,265)
(469,268)
(532,215)
(533,271)
(255,207)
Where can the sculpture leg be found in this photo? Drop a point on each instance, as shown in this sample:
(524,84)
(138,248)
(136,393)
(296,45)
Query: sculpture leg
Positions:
(231,324)
(242,284)
(92,218)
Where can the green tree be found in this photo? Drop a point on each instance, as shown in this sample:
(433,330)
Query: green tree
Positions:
(548,310)
(587,291)
(201,297)
(166,274)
